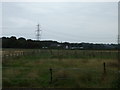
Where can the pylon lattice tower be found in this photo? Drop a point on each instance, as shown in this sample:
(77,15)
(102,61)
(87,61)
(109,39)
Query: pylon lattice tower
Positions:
(38,35)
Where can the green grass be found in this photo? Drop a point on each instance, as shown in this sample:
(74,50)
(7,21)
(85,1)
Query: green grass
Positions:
(71,69)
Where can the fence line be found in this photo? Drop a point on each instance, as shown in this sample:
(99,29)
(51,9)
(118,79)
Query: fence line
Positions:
(8,54)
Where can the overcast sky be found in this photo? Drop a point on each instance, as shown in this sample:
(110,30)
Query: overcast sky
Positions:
(94,22)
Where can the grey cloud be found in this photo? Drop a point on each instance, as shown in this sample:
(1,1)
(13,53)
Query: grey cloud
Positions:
(74,22)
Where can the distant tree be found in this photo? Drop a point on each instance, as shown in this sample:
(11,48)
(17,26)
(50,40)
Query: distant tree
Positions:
(13,42)
(21,42)
(13,38)
(4,42)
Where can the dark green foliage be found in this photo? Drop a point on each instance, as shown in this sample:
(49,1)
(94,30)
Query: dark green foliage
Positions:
(21,42)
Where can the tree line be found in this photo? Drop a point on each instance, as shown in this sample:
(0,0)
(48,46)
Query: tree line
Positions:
(13,42)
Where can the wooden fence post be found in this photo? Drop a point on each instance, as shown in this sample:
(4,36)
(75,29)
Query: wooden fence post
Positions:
(104,65)
(51,75)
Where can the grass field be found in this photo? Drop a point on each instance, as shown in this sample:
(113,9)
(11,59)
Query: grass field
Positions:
(70,69)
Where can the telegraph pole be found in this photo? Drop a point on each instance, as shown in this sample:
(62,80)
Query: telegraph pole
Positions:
(38,32)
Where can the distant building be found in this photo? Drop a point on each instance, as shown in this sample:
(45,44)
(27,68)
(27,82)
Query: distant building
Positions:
(66,47)
(44,47)
(76,47)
